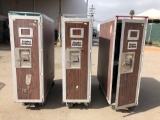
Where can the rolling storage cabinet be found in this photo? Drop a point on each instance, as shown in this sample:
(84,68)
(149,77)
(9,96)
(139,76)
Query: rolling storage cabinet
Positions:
(32,46)
(121,46)
(76,60)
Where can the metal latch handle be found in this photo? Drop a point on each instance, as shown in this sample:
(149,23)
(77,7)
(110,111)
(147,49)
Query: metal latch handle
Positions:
(22,60)
(130,62)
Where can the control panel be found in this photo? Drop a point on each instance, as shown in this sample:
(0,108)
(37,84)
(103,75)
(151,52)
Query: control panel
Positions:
(73,59)
(23,57)
(127,62)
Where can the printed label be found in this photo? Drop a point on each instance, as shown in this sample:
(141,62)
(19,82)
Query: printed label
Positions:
(132,45)
(76,43)
(26,42)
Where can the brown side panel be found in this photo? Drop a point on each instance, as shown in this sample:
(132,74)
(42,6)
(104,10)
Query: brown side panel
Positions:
(48,54)
(77,77)
(105,56)
(128,81)
(34,88)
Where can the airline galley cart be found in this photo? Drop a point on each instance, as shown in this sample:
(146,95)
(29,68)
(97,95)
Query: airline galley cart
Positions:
(76,60)
(32,46)
(121,47)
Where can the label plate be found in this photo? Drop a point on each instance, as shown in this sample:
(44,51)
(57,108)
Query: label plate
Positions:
(132,45)
(26,42)
(76,43)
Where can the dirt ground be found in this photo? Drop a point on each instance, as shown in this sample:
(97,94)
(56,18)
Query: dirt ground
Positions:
(149,99)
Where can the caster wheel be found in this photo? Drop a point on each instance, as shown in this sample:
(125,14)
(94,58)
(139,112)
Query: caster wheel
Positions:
(42,104)
(131,108)
(69,105)
(87,104)
(113,107)
(24,104)
(52,83)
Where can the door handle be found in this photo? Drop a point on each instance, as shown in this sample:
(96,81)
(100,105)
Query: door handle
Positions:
(123,63)
(69,61)
(128,62)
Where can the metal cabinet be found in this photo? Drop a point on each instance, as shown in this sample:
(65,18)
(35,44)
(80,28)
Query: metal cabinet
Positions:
(32,46)
(76,60)
(121,46)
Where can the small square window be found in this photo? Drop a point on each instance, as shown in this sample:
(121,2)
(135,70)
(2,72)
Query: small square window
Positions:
(76,32)
(133,34)
(25,32)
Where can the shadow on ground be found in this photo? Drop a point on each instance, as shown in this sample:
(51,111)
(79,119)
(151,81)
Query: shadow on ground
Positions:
(98,99)
(54,99)
(149,95)
(5,47)
(1,85)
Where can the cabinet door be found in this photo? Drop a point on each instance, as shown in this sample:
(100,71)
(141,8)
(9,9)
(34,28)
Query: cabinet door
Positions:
(132,39)
(77,40)
(27,58)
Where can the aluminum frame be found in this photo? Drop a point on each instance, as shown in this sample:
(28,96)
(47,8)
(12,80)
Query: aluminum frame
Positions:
(112,60)
(140,66)
(13,17)
(41,50)
(63,20)
(141,59)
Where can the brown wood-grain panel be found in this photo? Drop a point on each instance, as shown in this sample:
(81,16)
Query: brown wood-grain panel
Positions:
(77,77)
(128,81)
(105,55)
(34,88)
(48,54)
